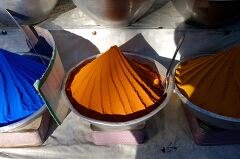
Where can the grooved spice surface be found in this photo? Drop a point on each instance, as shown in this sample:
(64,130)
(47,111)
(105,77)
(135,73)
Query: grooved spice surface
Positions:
(213,82)
(18,97)
(114,86)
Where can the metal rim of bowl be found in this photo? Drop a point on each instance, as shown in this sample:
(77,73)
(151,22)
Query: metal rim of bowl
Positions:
(130,122)
(37,113)
(108,22)
(195,107)
(33,20)
(47,35)
(24,121)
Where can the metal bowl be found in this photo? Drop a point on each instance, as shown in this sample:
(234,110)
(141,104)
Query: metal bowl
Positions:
(26,11)
(114,12)
(206,12)
(105,125)
(204,115)
(30,118)
(42,111)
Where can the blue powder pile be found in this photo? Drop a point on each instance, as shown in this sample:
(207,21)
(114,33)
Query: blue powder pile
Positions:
(18,97)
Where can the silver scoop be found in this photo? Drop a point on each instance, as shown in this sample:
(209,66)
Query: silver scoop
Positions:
(28,39)
(165,82)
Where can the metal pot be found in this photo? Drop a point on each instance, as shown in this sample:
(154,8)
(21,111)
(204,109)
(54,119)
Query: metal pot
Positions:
(30,118)
(32,130)
(114,12)
(206,12)
(206,116)
(26,11)
(132,124)
(21,123)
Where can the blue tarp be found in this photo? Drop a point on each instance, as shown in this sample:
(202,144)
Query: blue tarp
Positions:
(18,97)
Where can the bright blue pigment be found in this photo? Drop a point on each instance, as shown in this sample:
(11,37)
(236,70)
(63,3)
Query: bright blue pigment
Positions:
(18,97)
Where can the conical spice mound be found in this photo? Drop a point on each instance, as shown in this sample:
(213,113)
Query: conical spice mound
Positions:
(212,82)
(113,88)
(18,97)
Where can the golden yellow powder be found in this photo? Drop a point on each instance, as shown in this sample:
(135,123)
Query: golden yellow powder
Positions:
(213,82)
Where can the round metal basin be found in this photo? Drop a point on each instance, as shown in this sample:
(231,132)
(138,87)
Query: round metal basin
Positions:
(206,116)
(41,111)
(206,12)
(114,12)
(31,117)
(108,125)
(26,11)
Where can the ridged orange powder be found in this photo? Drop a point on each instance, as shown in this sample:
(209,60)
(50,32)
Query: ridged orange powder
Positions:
(111,87)
(213,82)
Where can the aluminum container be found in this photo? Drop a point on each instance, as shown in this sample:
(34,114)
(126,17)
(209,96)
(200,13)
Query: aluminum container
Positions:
(132,124)
(26,11)
(206,116)
(29,119)
(32,130)
(209,12)
(114,12)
